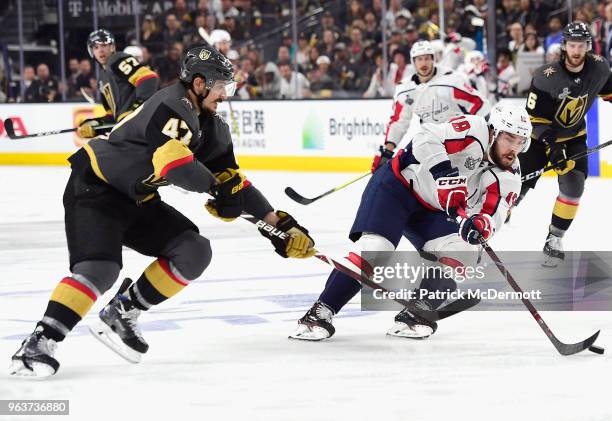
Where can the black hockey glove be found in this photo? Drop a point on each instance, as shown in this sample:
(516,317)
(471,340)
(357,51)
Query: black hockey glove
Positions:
(228,194)
(558,157)
(299,245)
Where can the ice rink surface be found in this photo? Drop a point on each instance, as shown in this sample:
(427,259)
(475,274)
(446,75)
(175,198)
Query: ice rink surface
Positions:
(219,349)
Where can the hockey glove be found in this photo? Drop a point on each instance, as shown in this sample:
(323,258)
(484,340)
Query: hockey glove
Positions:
(299,245)
(88,128)
(382,157)
(476,228)
(558,157)
(452,192)
(228,194)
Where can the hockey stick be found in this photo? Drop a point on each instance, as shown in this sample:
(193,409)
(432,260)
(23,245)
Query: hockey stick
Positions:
(579,155)
(10,131)
(87,97)
(564,349)
(306,201)
(431,315)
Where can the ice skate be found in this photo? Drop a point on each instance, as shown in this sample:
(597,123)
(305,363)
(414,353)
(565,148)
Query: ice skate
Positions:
(409,325)
(35,357)
(553,251)
(118,328)
(316,324)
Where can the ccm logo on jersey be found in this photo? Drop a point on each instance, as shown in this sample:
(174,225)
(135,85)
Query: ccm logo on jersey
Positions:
(271,229)
(443,182)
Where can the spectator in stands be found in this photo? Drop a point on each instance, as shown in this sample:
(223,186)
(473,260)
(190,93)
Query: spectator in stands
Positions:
(71,80)
(327,22)
(234,30)
(526,13)
(303,50)
(193,37)
(293,85)
(356,46)
(410,37)
(271,81)
(202,8)
(372,30)
(606,32)
(181,12)
(311,66)
(44,88)
(247,82)
(377,87)
(506,74)
(516,37)
(532,44)
(227,10)
(555,27)
(173,32)
(28,76)
(553,53)
(85,75)
(343,69)
(355,11)
(147,59)
(168,66)
(395,8)
(328,42)
(402,20)
(322,83)
(150,36)
(283,55)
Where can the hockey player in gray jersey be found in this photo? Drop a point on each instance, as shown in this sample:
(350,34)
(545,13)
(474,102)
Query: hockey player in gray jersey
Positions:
(124,82)
(560,95)
(111,200)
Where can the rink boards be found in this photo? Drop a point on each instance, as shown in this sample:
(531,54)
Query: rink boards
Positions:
(309,135)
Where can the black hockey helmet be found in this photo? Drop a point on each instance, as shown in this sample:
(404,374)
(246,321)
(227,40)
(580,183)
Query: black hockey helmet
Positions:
(99,36)
(577,31)
(207,62)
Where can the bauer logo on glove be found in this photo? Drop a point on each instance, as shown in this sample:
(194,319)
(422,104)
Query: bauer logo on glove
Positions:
(229,201)
(298,245)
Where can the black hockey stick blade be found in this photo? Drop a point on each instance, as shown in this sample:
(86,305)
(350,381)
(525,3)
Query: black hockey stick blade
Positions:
(570,349)
(295,196)
(9,129)
(562,348)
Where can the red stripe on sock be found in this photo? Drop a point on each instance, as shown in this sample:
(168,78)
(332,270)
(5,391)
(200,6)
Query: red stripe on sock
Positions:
(166,268)
(77,285)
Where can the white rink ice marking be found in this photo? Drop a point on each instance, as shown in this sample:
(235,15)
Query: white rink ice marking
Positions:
(219,349)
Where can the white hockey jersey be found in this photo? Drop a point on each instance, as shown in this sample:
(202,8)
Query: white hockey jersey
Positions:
(445,95)
(464,141)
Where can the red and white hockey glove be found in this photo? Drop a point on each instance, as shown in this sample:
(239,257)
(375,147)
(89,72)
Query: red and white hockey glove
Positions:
(383,156)
(476,228)
(452,193)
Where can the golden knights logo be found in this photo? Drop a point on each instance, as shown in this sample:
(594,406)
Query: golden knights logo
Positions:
(204,54)
(571,110)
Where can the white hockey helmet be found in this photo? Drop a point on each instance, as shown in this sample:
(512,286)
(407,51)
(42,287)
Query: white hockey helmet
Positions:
(219,35)
(511,119)
(135,51)
(473,60)
(422,48)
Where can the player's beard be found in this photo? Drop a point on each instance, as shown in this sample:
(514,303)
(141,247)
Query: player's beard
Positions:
(504,161)
(574,61)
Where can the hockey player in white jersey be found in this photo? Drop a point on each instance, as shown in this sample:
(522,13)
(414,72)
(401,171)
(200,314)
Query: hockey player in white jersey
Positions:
(466,167)
(434,93)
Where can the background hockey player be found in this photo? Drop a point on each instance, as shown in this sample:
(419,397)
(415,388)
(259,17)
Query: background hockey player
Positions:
(465,167)
(434,93)
(559,97)
(124,82)
(111,200)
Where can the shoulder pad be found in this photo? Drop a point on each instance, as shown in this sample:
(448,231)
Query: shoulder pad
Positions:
(116,58)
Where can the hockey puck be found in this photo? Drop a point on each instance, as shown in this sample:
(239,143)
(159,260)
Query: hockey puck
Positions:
(596,349)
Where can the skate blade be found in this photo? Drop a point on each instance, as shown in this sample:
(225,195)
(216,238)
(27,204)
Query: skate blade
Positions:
(102,332)
(551,262)
(402,330)
(39,371)
(312,334)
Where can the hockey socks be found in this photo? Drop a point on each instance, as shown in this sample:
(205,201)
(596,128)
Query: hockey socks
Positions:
(563,215)
(69,303)
(160,281)
(339,289)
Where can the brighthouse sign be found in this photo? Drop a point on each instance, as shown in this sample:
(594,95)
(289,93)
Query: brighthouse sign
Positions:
(309,135)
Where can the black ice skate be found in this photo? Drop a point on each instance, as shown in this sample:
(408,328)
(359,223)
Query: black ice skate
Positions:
(409,325)
(316,324)
(118,327)
(553,251)
(35,357)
